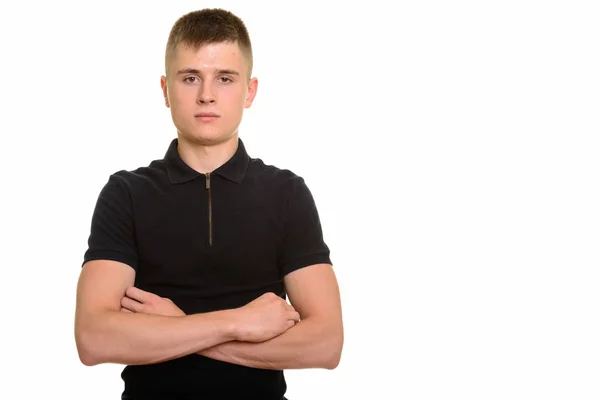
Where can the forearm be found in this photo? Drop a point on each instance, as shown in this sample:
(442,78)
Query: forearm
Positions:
(136,338)
(311,343)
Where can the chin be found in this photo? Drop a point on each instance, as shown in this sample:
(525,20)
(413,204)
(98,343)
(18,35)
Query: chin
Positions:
(206,138)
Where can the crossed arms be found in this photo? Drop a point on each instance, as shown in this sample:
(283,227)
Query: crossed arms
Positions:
(117,323)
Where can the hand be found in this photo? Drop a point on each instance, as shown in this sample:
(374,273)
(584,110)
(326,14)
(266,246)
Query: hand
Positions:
(139,301)
(264,318)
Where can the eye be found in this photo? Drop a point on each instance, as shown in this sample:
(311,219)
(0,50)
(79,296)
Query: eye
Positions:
(191,77)
(225,79)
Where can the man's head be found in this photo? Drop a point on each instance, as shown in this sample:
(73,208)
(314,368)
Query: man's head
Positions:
(208,65)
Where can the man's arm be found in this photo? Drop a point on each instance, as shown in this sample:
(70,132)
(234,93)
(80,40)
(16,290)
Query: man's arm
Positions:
(315,342)
(104,334)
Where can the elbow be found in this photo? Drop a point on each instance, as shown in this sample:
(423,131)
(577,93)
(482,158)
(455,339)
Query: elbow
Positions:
(333,355)
(87,360)
(93,338)
(87,347)
(333,359)
(85,350)
(332,363)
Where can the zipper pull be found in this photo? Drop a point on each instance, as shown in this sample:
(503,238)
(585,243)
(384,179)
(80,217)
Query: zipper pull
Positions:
(208,180)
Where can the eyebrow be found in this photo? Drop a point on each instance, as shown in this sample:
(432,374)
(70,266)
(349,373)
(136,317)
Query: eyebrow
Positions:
(196,71)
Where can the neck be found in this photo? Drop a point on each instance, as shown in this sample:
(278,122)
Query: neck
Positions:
(205,158)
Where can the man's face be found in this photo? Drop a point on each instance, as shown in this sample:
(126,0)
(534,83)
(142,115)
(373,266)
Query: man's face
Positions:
(212,80)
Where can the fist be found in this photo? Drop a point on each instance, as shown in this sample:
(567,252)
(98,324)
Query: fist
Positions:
(264,318)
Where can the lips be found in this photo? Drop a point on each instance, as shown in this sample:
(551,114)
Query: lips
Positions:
(206,117)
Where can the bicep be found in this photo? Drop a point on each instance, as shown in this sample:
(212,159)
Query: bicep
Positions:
(101,285)
(111,257)
(314,293)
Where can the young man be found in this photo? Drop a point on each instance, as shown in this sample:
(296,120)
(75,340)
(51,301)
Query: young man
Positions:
(190,259)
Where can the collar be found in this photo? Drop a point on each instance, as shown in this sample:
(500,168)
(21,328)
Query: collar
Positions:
(179,172)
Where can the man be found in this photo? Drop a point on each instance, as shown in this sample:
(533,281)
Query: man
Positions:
(190,259)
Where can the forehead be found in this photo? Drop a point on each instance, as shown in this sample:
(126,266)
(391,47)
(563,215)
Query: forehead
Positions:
(209,56)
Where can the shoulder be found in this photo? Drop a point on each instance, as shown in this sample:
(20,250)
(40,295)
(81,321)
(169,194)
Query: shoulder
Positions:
(275,176)
(138,178)
(282,184)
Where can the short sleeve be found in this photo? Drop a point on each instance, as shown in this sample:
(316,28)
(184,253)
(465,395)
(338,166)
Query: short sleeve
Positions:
(303,243)
(112,235)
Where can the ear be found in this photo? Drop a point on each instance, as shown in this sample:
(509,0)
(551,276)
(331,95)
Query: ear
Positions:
(252,88)
(163,85)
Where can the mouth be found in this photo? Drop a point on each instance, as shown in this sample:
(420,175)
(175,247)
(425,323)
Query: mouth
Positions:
(206,117)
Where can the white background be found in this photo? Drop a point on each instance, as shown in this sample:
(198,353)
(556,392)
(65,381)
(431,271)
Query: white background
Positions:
(452,149)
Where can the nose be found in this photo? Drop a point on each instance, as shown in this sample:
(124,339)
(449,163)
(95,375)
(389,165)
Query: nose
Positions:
(206,95)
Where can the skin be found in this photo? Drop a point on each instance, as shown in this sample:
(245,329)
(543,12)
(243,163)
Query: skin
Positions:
(103,334)
(316,341)
(216,81)
(118,323)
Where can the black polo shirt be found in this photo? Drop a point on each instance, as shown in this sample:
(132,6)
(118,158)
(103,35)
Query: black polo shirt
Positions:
(208,242)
